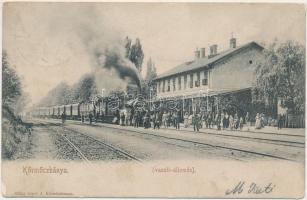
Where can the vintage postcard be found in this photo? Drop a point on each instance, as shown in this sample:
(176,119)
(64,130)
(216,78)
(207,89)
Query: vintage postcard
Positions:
(159,99)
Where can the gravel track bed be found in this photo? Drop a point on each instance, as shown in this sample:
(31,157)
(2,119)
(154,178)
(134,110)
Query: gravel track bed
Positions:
(90,148)
(187,146)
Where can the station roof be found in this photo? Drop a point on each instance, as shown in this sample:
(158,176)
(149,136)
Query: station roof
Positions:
(205,62)
(209,93)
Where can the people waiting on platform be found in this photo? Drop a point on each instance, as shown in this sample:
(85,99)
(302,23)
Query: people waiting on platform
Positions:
(122,119)
(231,122)
(164,119)
(236,121)
(216,119)
(176,121)
(280,121)
(169,119)
(156,121)
(258,124)
(241,123)
(146,120)
(195,121)
(91,117)
(186,120)
(262,117)
(247,120)
(136,119)
(190,119)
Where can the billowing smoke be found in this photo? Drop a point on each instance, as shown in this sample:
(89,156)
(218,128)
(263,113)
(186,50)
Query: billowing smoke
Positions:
(112,59)
(64,41)
(105,47)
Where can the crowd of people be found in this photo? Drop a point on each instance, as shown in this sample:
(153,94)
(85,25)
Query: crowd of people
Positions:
(149,119)
(221,120)
(210,120)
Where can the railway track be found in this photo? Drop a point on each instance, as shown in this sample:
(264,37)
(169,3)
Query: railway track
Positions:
(206,144)
(111,147)
(83,155)
(133,157)
(262,140)
(250,152)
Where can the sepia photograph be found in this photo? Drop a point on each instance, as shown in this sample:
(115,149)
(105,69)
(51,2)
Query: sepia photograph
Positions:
(157,99)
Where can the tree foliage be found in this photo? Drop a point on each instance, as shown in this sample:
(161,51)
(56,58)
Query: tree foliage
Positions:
(86,89)
(11,85)
(135,53)
(13,95)
(148,88)
(281,75)
(127,46)
(16,135)
(58,95)
(62,94)
(151,72)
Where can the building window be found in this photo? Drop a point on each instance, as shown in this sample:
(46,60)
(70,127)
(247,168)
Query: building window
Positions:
(197,82)
(205,80)
(185,80)
(163,86)
(250,62)
(179,83)
(191,80)
(174,84)
(168,85)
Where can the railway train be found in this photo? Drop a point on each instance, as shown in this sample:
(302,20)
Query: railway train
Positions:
(102,110)
(77,111)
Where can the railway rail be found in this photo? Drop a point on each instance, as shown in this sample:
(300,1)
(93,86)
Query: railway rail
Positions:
(139,160)
(111,147)
(262,140)
(83,155)
(206,144)
(199,143)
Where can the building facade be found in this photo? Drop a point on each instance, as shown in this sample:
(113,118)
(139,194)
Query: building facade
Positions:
(200,83)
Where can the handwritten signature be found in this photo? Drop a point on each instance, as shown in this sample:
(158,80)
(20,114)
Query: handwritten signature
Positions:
(252,188)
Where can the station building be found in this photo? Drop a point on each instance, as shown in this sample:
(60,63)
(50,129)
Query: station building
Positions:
(204,83)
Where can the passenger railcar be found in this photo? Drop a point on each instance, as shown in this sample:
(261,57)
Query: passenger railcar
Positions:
(100,110)
(75,111)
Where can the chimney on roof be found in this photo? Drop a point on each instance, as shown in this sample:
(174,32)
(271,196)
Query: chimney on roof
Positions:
(233,43)
(203,52)
(213,50)
(197,54)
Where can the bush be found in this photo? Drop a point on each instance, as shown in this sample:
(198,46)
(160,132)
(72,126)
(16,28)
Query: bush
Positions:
(16,136)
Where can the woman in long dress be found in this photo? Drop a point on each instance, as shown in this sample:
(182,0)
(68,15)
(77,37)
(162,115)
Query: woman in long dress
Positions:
(186,120)
(164,119)
(231,124)
(223,121)
(258,122)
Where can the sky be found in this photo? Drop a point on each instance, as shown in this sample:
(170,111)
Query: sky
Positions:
(52,42)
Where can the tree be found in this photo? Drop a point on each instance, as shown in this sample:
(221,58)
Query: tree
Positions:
(136,54)
(127,46)
(148,88)
(11,85)
(16,135)
(87,88)
(151,72)
(84,90)
(281,75)
(59,95)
